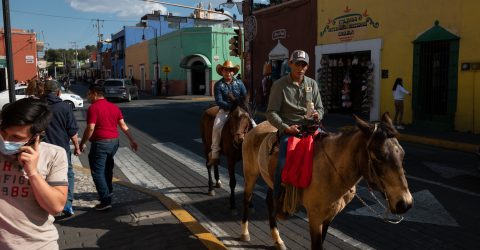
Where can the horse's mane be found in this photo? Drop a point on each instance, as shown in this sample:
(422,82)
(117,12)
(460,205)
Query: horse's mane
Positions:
(241,102)
(384,131)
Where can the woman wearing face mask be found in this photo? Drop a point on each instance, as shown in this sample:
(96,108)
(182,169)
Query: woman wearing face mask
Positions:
(33,178)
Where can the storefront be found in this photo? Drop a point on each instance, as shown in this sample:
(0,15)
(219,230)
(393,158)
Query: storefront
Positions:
(280,29)
(362,47)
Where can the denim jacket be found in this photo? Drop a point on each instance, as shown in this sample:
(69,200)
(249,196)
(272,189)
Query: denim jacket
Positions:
(221,90)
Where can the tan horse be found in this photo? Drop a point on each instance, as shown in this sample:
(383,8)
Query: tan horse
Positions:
(233,133)
(370,151)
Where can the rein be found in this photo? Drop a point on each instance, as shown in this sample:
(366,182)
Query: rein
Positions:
(371,168)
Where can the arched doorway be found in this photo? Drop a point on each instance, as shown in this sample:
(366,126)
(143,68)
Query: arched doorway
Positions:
(198,74)
(198,78)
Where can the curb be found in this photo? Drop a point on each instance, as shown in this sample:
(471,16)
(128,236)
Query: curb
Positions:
(202,234)
(446,144)
(207,238)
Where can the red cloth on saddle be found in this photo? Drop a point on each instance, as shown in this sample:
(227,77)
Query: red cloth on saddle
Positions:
(299,161)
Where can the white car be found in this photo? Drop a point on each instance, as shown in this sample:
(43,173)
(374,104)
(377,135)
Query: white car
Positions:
(75,101)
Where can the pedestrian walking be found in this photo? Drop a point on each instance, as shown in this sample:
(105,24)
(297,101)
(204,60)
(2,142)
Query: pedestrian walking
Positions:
(61,130)
(399,93)
(34,177)
(103,117)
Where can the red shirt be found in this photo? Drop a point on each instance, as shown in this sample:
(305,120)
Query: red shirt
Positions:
(105,115)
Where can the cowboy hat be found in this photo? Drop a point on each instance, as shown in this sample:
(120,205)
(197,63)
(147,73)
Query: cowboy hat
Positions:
(227,65)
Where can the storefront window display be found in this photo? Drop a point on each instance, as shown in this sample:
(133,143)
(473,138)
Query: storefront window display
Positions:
(346,82)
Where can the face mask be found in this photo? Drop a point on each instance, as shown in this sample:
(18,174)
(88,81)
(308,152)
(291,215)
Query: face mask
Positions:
(10,147)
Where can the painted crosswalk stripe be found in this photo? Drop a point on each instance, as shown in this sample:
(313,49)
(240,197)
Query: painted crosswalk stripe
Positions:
(141,173)
(196,164)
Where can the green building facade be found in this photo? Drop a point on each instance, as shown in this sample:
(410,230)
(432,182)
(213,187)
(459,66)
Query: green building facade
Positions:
(188,59)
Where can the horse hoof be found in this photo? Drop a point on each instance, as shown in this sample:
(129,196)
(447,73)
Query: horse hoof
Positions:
(280,246)
(211,192)
(233,211)
(219,184)
(245,237)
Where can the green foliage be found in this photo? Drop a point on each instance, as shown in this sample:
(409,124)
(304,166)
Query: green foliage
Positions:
(67,56)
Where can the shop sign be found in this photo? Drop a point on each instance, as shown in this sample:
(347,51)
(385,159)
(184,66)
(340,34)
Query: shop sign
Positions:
(346,25)
(279,34)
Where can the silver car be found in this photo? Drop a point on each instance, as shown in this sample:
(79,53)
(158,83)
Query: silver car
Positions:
(120,89)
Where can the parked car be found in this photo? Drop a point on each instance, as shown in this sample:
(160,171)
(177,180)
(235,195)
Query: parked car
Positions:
(120,89)
(100,81)
(75,101)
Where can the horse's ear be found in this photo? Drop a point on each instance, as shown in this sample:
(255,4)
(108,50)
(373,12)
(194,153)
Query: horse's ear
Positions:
(363,125)
(391,130)
(386,119)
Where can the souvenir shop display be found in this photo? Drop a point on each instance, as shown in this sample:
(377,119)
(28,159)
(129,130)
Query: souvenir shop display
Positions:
(346,82)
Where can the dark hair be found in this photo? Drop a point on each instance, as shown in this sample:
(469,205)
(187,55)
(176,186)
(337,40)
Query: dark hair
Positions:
(27,111)
(97,88)
(398,81)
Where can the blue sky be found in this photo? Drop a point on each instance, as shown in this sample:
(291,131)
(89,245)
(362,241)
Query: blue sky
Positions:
(60,22)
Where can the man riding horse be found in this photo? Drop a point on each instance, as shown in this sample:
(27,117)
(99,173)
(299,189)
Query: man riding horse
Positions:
(292,98)
(226,90)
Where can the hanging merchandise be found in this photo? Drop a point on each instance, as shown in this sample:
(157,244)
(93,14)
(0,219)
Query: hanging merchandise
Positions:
(346,101)
(355,60)
(367,89)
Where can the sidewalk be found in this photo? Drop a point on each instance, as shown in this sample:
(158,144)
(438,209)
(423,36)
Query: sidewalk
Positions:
(139,219)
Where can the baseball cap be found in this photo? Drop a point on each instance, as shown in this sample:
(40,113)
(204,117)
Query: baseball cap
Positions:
(51,86)
(299,55)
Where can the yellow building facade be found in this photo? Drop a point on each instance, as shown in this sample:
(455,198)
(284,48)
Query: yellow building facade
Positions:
(136,61)
(434,46)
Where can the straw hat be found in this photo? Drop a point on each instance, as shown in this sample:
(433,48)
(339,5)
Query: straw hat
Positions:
(227,65)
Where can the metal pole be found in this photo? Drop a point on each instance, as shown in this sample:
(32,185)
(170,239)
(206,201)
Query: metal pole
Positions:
(157,68)
(8,47)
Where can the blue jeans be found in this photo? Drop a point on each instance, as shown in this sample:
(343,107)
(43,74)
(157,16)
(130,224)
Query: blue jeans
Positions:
(101,165)
(71,183)
(282,155)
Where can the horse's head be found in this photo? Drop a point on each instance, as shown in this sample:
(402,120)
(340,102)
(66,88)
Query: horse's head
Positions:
(385,163)
(239,117)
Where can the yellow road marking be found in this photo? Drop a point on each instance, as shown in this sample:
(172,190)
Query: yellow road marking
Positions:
(207,238)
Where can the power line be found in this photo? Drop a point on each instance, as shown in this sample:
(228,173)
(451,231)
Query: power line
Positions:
(68,17)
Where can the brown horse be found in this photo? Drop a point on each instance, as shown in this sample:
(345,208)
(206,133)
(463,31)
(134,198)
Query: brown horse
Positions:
(235,128)
(370,151)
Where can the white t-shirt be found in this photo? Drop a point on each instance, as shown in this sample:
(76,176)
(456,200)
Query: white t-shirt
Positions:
(399,93)
(23,223)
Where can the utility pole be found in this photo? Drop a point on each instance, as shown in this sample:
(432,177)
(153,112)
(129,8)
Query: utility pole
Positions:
(99,24)
(8,46)
(76,58)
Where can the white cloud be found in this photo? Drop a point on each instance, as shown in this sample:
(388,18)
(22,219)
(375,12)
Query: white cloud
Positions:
(121,8)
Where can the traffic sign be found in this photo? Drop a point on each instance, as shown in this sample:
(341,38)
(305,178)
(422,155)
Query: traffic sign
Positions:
(166,69)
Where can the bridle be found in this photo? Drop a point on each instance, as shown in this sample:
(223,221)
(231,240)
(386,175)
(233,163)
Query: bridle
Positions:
(371,169)
(244,132)
(378,181)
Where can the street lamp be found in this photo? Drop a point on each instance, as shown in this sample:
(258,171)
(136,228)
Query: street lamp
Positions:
(157,64)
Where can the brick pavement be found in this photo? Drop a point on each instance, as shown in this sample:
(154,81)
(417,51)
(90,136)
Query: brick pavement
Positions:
(138,220)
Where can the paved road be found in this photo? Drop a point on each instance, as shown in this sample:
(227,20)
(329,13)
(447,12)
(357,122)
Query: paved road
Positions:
(444,184)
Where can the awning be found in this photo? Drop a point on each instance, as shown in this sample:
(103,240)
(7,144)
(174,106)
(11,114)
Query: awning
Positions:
(183,63)
(279,52)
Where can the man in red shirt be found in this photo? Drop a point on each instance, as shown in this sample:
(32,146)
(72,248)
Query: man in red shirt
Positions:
(102,120)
